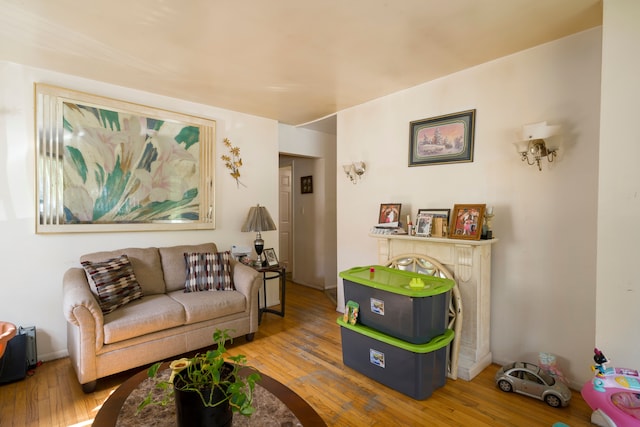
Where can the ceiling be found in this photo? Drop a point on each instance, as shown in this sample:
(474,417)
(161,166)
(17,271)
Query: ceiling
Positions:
(295,61)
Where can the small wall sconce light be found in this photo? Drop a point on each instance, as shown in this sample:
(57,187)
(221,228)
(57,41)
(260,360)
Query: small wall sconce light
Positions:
(532,145)
(355,171)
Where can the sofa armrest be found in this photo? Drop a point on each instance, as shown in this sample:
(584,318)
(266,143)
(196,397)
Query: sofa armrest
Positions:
(247,281)
(81,307)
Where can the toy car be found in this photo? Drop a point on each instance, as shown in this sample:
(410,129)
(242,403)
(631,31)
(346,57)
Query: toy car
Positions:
(530,380)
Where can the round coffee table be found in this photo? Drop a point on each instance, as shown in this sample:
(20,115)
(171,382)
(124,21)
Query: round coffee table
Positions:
(116,411)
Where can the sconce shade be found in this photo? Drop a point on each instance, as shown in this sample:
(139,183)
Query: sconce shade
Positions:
(258,220)
(538,131)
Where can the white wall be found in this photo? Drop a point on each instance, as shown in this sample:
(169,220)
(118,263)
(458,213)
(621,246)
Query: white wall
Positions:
(543,270)
(618,283)
(312,153)
(33,265)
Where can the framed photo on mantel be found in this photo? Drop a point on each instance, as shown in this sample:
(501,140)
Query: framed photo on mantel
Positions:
(466,222)
(439,221)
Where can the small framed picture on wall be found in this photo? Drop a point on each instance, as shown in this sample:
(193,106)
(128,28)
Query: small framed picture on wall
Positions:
(306,184)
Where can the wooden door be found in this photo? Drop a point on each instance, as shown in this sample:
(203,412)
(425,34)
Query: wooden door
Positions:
(285,220)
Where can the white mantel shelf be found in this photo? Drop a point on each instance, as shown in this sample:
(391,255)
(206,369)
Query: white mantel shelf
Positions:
(470,263)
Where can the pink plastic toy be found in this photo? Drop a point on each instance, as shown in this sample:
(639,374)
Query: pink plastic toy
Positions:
(613,394)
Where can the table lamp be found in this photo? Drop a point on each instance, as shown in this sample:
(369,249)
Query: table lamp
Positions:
(259,220)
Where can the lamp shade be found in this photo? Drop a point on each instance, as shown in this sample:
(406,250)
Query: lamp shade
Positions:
(258,220)
(538,131)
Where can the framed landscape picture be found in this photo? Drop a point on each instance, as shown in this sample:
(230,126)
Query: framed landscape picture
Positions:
(442,139)
(466,222)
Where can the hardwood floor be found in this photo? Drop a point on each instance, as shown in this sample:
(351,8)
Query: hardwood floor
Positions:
(302,351)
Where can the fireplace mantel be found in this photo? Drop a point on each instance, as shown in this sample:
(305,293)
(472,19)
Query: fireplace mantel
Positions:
(470,263)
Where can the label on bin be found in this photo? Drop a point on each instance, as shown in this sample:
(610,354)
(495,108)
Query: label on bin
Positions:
(377,306)
(376,357)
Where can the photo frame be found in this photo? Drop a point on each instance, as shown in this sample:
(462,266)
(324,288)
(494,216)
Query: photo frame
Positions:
(306,184)
(436,213)
(439,221)
(423,225)
(272,259)
(466,221)
(389,215)
(109,165)
(443,139)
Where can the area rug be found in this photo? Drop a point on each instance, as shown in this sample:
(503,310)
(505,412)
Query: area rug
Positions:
(270,411)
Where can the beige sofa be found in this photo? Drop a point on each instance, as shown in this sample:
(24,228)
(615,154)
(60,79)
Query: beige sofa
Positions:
(164,323)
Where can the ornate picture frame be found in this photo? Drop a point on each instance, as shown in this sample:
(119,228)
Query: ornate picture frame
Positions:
(423,225)
(443,139)
(466,222)
(109,165)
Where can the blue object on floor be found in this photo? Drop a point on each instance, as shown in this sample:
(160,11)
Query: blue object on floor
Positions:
(559,424)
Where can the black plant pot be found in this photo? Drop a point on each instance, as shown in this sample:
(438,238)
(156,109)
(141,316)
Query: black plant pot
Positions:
(191,411)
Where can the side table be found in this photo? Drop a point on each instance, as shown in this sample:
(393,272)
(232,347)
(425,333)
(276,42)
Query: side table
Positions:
(269,273)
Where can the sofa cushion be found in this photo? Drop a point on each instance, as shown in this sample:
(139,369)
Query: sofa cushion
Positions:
(173,265)
(206,271)
(149,314)
(115,282)
(146,266)
(201,306)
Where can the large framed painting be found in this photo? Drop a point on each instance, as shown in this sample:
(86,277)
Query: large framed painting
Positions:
(442,139)
(109,165)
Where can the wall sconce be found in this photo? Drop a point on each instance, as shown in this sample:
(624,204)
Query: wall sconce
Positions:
(532,145)
(355,171)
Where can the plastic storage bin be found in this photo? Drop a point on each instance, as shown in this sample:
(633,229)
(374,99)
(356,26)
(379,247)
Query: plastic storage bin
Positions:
(413,369)
(389,305)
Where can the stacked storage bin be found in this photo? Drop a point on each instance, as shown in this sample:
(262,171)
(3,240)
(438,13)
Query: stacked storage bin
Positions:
(400,338)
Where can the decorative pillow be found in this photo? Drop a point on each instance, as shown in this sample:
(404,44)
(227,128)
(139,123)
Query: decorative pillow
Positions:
(208,271)
(115,282)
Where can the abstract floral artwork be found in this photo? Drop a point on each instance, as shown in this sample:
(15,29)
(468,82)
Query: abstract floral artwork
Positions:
(116,166)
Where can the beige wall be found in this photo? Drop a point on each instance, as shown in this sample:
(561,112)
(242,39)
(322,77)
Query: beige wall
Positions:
(33,265)
(543,291)
(314,215)
(618,285)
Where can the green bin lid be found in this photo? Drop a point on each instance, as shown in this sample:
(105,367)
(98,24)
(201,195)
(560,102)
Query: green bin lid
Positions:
(435,344)
(397,281)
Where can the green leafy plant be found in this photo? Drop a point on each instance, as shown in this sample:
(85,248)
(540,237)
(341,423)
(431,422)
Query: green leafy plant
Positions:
(203,374)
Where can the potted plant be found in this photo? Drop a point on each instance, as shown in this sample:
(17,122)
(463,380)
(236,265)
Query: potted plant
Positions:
(206,386)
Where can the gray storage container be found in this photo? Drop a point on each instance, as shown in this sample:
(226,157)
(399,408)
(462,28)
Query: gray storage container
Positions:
(391,305)
(413,369)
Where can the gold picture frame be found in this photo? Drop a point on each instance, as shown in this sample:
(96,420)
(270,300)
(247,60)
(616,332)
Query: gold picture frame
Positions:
(466,222)
(109,165)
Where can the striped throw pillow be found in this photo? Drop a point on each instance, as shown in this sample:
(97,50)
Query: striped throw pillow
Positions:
(208,272)
(115,282)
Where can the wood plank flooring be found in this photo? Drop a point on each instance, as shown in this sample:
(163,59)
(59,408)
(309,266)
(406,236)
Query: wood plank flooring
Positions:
(303,351)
